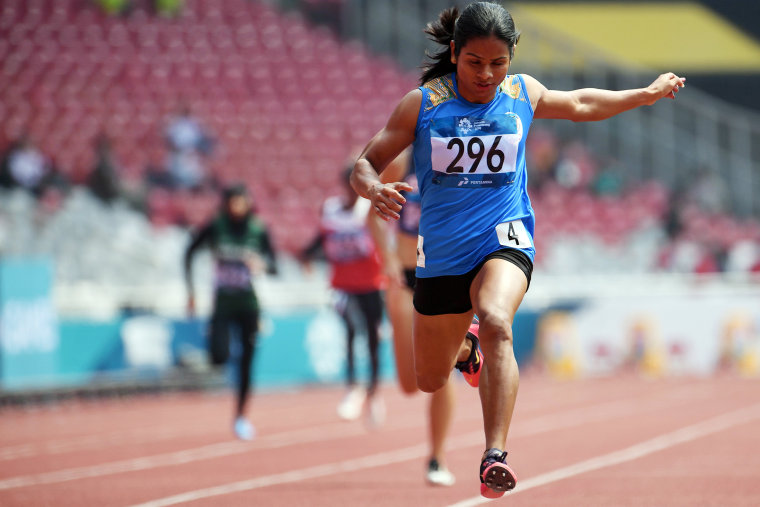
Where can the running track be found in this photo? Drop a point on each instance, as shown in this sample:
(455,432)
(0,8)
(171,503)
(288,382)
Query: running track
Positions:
(621,441)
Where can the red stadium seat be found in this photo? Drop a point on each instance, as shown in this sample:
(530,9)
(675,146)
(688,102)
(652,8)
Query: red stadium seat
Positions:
(285,102)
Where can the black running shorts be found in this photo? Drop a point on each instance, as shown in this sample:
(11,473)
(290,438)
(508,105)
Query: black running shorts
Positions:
(410,278)
(440,295)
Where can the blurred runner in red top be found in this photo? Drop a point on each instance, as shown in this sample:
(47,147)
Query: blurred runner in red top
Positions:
(357,277)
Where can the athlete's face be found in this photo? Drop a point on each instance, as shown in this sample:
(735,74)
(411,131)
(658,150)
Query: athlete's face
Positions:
(238,206)
(482,65)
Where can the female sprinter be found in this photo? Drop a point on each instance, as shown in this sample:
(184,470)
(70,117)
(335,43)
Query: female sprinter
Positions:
(467,125)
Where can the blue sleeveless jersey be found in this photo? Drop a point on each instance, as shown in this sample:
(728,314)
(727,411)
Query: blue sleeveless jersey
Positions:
(470,165)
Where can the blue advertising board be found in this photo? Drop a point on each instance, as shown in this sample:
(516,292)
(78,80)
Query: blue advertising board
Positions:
(29,334)
(295,347)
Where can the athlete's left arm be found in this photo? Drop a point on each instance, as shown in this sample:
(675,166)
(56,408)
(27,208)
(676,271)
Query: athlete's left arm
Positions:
(592,104)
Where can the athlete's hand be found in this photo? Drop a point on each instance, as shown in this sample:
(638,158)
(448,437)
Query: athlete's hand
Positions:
(255,263)
(666,85)
(386,199)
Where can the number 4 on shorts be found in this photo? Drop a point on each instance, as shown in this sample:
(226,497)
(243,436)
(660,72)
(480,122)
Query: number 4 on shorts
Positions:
(513,234)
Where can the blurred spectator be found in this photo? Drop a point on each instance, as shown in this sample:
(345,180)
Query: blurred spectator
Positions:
(708,191)
(188,143)
(673,220)
(692,256)
(103,180)
(576,167)
(155,174)
(744,257)
(609,180)
(24,166)
(543,155)
(713,259)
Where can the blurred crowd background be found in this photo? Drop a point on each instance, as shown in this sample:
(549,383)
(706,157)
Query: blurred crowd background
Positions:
(121,120)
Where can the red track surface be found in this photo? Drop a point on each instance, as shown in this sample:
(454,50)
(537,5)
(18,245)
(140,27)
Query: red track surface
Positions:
(604,442)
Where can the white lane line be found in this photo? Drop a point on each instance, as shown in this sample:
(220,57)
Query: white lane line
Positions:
(352,465)
(98,441)
(389,458)
(145,435)
(528,427)
(210,451)
(665,441)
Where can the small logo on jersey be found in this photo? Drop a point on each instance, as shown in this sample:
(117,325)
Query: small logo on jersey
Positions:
(511,86)
(464,181)
(465,126)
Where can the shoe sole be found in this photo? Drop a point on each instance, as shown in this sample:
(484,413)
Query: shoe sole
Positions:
(498,478)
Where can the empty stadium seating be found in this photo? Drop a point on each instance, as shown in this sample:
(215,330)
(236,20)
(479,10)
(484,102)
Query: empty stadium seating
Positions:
(287,102)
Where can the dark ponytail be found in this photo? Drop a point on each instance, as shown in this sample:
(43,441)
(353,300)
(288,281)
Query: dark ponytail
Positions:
(442,32)
(479,19)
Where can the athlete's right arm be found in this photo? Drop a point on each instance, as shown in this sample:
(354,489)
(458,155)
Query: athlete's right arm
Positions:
(397,134)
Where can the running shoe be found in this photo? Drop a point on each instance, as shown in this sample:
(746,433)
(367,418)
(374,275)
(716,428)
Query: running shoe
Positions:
(244,430)
(376,411)
(438,475)
(351,407)
(472,367)
(496,478)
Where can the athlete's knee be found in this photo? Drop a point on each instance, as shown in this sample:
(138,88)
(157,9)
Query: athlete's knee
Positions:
(408,386)
(496,325)
(431,383)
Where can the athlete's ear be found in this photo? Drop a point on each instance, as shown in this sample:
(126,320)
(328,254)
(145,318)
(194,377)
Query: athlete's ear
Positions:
(453,56)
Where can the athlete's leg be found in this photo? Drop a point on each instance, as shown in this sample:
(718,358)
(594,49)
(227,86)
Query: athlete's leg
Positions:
(398,303)
(248,324)
(441,411)
(219,340)
(371,306)
(345,314)
(496,293)
(352,404)
(437,345)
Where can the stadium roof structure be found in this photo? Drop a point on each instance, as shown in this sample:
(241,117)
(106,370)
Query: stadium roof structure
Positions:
(680,36)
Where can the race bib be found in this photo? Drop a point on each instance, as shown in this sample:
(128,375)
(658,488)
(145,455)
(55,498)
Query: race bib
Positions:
(420,252)
(233,275)
(348,246)
(475,152)
(514,234)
